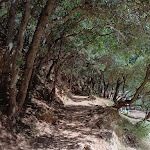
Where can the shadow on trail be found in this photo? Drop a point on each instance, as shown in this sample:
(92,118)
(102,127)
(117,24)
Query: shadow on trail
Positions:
(73,128)
(76,124)
(54,142)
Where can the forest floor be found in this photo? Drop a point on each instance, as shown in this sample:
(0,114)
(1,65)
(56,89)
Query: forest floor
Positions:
(82,123)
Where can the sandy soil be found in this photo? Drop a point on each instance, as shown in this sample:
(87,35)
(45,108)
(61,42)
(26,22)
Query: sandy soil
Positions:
(85,101)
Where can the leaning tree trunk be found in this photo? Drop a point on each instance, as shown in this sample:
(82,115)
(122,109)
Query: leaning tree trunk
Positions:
(32,52)
(138,91)
(15,57)
(11,19)
(42,62)
(5,79)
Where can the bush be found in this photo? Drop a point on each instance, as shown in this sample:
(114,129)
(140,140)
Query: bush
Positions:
(141,129)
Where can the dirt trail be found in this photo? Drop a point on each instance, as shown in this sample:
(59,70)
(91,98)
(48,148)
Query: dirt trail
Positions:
(85,101)
(76,129)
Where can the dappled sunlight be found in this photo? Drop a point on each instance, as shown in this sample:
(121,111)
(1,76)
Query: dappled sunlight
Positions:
(78,126)
(69,70)
(9,141)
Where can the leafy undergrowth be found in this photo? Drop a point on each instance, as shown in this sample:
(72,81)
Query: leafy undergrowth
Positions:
(77,125)
(134,134)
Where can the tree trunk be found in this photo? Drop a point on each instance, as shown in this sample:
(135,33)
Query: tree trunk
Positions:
(124,84)
(100,88)
(15,66)
(105,89)
(138,91)
(11,19)
(42,62)
(50,69)
(105,85)
(147,116)
(108,91)
(70,85)
(5,80)
(117,91)
(32,52)
(52,95)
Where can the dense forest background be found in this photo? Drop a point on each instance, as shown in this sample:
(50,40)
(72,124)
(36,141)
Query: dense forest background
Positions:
(87,47)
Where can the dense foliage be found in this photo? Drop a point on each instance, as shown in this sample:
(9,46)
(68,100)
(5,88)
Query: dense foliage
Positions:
(100,46)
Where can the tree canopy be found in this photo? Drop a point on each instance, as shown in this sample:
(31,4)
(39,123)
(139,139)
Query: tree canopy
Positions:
(102,46)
